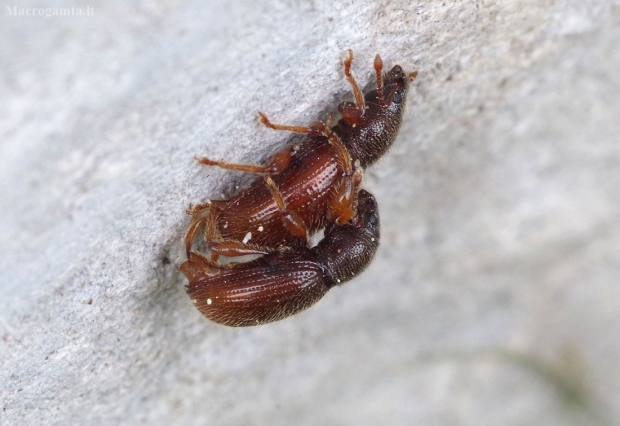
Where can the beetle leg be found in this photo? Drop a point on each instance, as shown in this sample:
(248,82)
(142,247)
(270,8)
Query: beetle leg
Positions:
(234,248)
(231,166)
(276,164)
(204,213)
(352,113)
(343,154)
(342,206)
(199,209)
(197,265)
(190,235)
(316,128)
(293,223)
(357,92)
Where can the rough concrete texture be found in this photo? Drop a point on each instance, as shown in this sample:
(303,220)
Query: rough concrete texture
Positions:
(494,298)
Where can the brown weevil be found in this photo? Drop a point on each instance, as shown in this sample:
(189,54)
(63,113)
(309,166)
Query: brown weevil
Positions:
(283,283)
(307,186)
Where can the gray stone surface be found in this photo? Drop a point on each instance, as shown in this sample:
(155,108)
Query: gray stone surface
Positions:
(494,298)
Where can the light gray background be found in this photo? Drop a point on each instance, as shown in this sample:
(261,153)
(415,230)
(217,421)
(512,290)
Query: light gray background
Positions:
(494,298)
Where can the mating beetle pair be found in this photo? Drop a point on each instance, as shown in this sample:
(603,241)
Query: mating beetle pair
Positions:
(306,187)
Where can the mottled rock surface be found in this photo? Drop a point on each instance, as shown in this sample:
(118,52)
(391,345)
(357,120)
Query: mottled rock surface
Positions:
(495,295)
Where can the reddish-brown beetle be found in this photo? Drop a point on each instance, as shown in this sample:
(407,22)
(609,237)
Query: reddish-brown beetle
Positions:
(308,186)
(283,283)
(311,183)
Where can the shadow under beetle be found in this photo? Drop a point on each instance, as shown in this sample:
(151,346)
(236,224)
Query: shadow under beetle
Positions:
(306,186)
